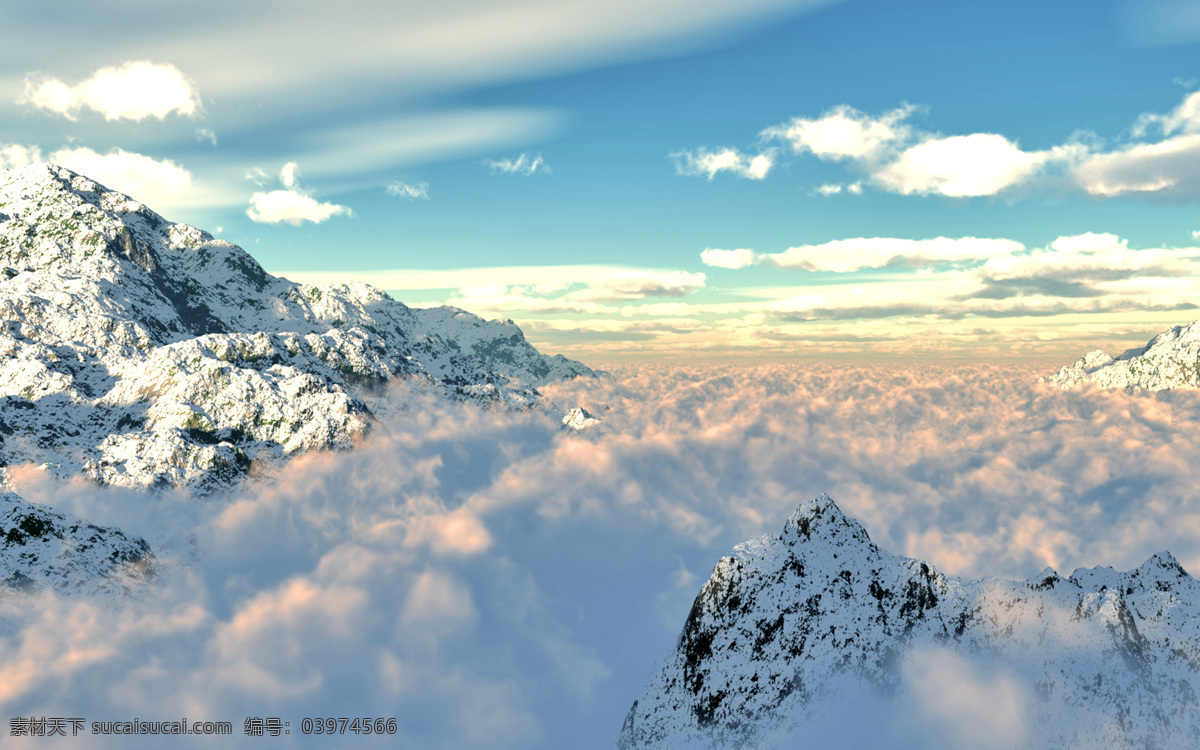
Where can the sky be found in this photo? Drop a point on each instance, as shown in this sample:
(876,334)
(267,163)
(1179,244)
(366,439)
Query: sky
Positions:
(492,581)
(763,180)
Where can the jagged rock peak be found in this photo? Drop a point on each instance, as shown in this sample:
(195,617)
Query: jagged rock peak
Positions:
(790,625)
(821,517)
(579,418)
(1169,360)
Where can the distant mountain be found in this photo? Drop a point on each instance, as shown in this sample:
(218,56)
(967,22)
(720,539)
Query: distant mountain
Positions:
(142,353)
(1112,658)
(1169,360)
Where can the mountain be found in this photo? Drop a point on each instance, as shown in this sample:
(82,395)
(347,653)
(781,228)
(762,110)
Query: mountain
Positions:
(790,624)
(143,353)
(1169,360)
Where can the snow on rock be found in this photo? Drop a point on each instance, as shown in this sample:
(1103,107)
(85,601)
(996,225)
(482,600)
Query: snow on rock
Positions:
(786,621)
(142,353)
(579,418)
(41,549)
(1169,360)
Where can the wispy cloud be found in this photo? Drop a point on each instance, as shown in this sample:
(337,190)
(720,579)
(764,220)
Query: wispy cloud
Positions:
(706,163)
(523,164)
(411,191)
(208,135)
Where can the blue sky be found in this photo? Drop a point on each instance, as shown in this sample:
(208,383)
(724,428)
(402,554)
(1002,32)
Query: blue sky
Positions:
(569,164)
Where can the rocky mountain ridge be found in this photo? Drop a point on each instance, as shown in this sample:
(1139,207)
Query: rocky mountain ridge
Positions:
(142,353)
(1111,658)
(1169,360)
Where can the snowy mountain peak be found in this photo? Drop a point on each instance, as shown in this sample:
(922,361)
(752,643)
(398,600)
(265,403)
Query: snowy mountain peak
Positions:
(822,518)
(789,623)
(579,418)
(1169,360)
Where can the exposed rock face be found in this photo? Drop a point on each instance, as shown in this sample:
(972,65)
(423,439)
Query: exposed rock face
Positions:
(1169,360)
(142,353)
(786,620)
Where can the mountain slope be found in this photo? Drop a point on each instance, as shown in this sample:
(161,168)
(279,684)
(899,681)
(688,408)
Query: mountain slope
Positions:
(787,621)
(1169,360)
(142,352)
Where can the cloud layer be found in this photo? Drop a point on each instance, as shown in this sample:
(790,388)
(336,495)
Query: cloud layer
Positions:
(491,581)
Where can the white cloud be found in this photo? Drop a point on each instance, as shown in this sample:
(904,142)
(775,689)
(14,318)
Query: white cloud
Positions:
(960,166)
(293,205)
(843,256)
(325,590)
(524,164)
(897,157)
(973,708)
(131,91)
(289,174)
(139,176)
(703,162)
(739,258)
(1169,166)
(844,133)
(14,155)
(411,191)
(1185,118)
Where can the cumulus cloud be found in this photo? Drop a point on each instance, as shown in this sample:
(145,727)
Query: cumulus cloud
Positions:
(292,205)
(523,164)
(960,166)
(130,91)
(411,191)
(493,582)
(14,155)
(1166,167)
(894,155)
(137,175)
(740,258)
(844,133)
(706,163)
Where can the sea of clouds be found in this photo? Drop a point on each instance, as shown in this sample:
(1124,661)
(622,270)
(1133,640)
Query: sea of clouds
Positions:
(493,581)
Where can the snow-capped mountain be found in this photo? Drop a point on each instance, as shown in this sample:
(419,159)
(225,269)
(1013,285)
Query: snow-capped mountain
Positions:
(1112,658)
(142,353)
(43,549)
(1169,360)
(579,418)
